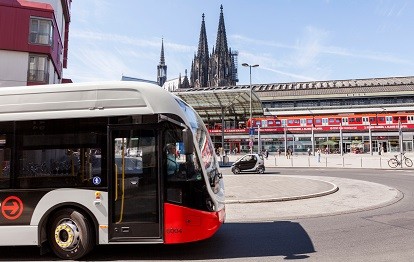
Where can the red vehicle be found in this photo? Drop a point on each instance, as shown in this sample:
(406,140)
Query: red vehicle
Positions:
(359,120)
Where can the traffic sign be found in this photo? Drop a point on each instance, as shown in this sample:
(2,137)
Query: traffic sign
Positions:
(12,207)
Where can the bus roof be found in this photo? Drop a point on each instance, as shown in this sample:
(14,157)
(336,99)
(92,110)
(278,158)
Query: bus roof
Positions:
(89,99)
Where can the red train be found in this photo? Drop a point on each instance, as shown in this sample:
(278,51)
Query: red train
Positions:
(335,120)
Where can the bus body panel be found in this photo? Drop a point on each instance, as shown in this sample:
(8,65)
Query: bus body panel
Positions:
(183,224)
(82,197)
(85,100)
(19,235)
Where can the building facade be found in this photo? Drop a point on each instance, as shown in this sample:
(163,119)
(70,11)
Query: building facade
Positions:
(339,116)
(218,68)
(33,42)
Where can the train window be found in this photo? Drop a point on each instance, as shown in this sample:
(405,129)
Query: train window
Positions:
(351,120)
(290,121)
(296,121)
(309,121)
(372,119)
(358,119)
(318,121)
(381,119)
(277,122)
(404,119)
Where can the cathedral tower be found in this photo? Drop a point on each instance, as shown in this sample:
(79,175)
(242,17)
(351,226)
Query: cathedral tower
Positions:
(222,67)
(162,67)
(200,64)
(219,69)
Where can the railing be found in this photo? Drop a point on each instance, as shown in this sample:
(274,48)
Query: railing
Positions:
(328,161)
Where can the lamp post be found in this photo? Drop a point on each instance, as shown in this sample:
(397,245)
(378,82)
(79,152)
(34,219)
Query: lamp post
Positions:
(313,132)
(250,118)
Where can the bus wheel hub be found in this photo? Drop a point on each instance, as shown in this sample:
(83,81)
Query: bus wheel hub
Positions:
(67,235)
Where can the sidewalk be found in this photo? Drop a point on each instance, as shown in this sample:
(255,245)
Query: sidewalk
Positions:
(330,161)
(268,196)
(274,188)
(272,194)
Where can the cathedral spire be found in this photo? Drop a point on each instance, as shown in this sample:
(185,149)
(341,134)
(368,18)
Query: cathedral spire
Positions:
(202,43)
(221,41)
(162,58)
(162,67)
(199,70)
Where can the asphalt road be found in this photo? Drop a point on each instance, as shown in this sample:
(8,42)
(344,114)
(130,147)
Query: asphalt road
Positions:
(381,233)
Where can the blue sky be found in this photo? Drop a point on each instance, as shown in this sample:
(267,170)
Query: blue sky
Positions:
(291,40)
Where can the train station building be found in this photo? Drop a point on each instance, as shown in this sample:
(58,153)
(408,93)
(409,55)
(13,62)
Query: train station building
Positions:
(374,115)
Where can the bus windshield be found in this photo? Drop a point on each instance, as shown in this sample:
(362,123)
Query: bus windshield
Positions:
(203,139)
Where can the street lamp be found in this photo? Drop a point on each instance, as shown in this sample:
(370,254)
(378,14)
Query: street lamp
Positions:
(250,119)
(250,71)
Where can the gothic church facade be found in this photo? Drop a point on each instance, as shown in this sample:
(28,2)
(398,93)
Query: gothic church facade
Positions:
(218,68)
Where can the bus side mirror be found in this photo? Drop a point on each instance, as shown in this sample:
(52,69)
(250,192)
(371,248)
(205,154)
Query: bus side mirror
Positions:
(188,141)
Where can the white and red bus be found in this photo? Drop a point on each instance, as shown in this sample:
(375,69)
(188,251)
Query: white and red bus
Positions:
(86,164)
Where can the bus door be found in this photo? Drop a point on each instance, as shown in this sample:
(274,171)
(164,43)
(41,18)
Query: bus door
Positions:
(134,194)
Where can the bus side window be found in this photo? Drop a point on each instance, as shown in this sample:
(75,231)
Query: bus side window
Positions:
(6,135)
(56,153)
(4,166)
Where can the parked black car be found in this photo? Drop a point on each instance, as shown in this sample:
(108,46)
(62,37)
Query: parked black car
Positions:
(249,162)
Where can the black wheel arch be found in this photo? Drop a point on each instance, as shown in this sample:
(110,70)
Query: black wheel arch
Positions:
(43,223)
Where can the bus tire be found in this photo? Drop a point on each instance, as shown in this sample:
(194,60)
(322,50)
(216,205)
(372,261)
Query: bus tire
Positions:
(70,234)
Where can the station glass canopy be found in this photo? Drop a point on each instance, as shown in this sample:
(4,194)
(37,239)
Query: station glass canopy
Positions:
(220,105)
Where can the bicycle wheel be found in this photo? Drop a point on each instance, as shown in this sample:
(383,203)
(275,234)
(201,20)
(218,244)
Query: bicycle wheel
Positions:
(393,162)
(408,162)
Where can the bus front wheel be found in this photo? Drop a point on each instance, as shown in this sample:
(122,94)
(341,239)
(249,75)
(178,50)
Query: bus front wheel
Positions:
(70,234)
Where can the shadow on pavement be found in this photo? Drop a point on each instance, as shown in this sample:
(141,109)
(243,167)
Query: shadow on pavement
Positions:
(233,240)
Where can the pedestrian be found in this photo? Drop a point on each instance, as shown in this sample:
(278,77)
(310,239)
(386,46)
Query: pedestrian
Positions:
(309,151)
(266,153)
(288,153)
(319,155)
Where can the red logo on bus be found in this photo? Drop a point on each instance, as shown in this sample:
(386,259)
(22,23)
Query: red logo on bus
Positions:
(12,207)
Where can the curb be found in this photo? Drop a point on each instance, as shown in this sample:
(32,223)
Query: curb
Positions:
(334,189)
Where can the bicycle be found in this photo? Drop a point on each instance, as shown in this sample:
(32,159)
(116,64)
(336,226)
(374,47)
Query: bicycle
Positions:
(394,162)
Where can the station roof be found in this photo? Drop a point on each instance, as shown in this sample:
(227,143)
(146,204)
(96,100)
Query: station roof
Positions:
(210,104)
